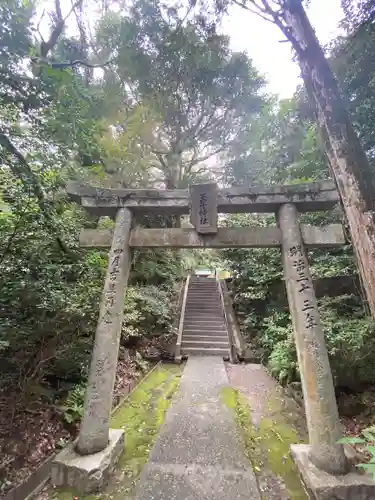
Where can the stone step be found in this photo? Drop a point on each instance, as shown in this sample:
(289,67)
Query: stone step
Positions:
(215,323)
(201,331)
(212,284)
(199,327)
(206,298)
(204,294)
(196,285)
(201,351)
(199,282)
(208,311)
(200,300)
(216,318)
(203,290)
(203,307)
(203,314)
(203,303)
(205,338)
(210,325)
(215,315)
(204,344)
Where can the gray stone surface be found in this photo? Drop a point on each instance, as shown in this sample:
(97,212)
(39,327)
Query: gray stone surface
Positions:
(316,377)
(308,197)
(323,486)
(203,213)
(192,482)
(198,454)
(93,434)
(88,473)
(204,328)
(328,236)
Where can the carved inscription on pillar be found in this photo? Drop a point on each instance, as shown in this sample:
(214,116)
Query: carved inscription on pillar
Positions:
(110,292)
(94,431)
(316,377)
(304,284)
(203,209)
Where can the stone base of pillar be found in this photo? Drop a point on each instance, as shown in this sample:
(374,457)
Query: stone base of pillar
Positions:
(324,486)
(87,473)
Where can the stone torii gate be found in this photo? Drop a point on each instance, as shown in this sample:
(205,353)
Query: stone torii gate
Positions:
(88,464)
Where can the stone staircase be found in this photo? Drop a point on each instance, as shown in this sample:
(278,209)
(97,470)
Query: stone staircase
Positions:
(204,328)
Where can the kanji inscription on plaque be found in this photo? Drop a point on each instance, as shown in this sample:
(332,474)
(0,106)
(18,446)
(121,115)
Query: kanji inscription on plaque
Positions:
(203,211)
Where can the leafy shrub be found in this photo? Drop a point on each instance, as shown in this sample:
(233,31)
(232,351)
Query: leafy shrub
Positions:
(350,341)
(282,362)
(263,312)
(49,300)
(349,338)
(367,443)
(148,310)
(73,405)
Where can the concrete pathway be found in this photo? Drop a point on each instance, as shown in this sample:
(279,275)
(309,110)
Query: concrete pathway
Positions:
(198,454)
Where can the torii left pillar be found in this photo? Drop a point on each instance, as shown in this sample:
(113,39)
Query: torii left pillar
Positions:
(87,465)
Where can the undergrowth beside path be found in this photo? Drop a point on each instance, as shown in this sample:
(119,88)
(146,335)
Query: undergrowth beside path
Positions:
(141,416)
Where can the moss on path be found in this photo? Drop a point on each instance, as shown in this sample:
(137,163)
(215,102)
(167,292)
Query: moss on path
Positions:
(141,416)
(267,445)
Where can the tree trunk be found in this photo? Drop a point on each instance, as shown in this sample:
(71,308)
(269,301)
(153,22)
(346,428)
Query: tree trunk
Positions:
(349,165)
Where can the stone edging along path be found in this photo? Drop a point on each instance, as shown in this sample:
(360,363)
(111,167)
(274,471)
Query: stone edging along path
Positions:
(32,485)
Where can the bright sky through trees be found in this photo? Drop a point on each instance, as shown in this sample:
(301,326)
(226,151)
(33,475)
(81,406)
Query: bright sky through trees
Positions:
(262,42)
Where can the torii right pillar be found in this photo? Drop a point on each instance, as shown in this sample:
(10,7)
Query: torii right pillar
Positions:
(316,376)
(322,463)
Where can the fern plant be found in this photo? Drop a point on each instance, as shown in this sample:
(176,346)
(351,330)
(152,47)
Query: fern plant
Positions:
(368,443)
(73,407)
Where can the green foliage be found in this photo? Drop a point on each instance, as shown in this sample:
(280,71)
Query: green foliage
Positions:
(172,96)
(73,405)
(149,310)
(286,149)
(200,93)
(367,443)
(57,125)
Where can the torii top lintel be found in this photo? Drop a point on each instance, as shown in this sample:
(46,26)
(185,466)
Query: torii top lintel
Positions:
(307,197)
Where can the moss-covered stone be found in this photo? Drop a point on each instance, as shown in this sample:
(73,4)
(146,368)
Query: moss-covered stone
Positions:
(141,416)
(268,445)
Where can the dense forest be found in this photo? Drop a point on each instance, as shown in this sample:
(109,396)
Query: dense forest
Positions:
(149,95)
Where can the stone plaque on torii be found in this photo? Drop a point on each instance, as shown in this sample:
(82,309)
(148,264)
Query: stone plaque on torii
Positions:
(203,208)
(204,202)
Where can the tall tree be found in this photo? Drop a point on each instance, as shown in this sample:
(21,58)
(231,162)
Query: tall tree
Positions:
(352,60)
(281,146)
(201,93)
(347,158)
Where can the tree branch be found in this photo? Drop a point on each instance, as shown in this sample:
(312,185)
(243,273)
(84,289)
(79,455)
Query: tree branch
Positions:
(253,11)
(38,25)
(46,47)
(78,62)
(204,158)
